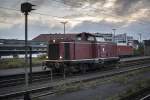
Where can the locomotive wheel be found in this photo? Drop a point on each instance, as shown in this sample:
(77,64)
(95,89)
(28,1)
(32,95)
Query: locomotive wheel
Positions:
(74,69)
(83,68)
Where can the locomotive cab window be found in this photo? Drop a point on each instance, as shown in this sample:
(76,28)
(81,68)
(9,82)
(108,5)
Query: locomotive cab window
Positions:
(100,39)
(90,38)
(85,37)
(78,38)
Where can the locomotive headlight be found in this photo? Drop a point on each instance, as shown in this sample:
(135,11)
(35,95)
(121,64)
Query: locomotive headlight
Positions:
(103,49)
(60,57)
(54,41)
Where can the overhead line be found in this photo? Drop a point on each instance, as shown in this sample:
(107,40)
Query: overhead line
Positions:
(45,14)
(50,15)
(5,22)
(35,13)
(9,9)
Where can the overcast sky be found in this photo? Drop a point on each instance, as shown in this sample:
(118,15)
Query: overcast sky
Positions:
(127,16)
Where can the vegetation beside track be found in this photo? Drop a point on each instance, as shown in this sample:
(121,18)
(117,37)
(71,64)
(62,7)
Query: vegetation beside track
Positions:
(123,79)
(129,80)
(132,91)
(19,62)
(134,88)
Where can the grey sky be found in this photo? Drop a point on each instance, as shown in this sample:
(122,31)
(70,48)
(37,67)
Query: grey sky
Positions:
(127,16)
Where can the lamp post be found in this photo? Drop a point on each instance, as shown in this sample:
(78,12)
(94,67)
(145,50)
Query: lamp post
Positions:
(64,23)
(26,8)
(114,30)
(140,35)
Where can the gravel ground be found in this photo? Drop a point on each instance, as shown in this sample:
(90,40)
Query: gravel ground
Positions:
(14,71)
(105,91)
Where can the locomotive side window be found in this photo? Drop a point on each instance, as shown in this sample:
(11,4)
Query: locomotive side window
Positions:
(85,37)
(78,38)
(90,38)
(100,39)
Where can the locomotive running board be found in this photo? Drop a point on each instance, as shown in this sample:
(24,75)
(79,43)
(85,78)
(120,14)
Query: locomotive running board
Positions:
(95,60)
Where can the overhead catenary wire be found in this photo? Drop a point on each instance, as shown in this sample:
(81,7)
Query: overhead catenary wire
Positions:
(4,22)
(41,14)
(71,8)
(9,8)
(18,2)
(52,16)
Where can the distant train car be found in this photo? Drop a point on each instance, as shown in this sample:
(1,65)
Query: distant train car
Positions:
(83,53)
(124,50)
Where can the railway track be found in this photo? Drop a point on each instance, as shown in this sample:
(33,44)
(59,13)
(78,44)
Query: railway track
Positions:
(141,94)
(147,97)
(18,79)
(71,80)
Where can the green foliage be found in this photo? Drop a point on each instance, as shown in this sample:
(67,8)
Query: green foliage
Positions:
(115,97)
(19,62)
(67,88)
(138,86)
(42,57)
(139,51)
(121,80)
(11,63)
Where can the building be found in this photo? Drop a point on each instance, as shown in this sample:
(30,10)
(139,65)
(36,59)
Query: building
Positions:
(108,37)
(20,42)
(123,39)
(146,47)
(135,44)
(120,39)
(47,37)
(11,41)
(11,44)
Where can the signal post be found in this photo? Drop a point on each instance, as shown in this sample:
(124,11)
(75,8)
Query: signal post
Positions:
(26,8)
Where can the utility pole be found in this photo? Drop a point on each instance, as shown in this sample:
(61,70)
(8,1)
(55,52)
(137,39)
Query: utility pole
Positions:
(114,30)
(140,37)
(64,23)
(26,8)
(126,38)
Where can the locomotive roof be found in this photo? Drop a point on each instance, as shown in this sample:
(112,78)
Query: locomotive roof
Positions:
(84,33)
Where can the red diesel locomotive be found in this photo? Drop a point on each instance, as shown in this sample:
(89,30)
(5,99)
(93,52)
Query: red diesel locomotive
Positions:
(84,53)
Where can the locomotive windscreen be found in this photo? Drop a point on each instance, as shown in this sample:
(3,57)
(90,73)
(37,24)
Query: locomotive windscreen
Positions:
(53,51)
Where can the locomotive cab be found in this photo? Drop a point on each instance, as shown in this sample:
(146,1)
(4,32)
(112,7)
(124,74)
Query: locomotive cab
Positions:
(58,50)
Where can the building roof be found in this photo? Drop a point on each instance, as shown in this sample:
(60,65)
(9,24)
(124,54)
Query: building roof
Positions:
(47,37)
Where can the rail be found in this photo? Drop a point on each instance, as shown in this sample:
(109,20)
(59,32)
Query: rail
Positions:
(76,80)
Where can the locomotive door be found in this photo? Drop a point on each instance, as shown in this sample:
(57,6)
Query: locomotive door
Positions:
(53,51)
(103,51)
(66,51)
